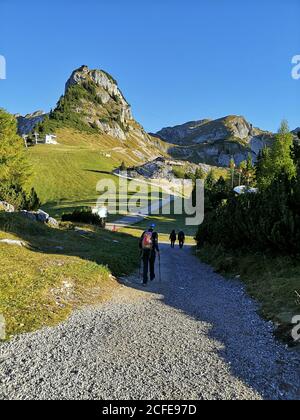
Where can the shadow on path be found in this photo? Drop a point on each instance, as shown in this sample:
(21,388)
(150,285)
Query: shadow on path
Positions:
(228,316)
(247,343)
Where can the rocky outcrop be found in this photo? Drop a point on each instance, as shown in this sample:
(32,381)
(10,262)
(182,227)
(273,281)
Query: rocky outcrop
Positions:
(26,124)
(180,133)
(93,102)
(204,131)
(40,216)
(102,104)
(161,169)
(156,169)
(107,89)
(216,142)
(296,132)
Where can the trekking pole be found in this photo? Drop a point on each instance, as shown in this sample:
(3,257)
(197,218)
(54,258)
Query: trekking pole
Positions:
(159,268)
(140,270)
(141,259)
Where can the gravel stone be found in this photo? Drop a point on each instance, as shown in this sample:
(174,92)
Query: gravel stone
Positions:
(194,335)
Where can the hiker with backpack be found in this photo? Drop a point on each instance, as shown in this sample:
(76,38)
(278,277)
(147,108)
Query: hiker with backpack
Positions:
(173,238)
(181,239)
(149,248)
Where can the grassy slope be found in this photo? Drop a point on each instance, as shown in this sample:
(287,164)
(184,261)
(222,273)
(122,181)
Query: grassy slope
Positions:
(33,289)
(273,282)
(33,278)
(66,175)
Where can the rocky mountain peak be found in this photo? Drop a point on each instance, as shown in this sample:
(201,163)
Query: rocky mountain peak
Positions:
(93,99)
(238,127)
(105,88)
(203,131)
(216,141)
(92,102)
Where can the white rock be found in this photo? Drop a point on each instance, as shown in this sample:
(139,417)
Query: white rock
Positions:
(7,207)
(42,216)
(52,222)
(12,242)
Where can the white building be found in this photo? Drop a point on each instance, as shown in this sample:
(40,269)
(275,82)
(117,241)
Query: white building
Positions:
(50,139)
(101,212)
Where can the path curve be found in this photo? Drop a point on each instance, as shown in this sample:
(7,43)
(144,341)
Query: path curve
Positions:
(195,335)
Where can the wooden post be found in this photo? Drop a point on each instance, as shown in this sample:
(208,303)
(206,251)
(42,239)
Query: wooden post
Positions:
(36,135)
(25,140)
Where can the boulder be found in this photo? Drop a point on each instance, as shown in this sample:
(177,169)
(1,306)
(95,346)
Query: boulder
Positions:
(42,216)
(52,222)
(29,215)
(6,207)
(39,216)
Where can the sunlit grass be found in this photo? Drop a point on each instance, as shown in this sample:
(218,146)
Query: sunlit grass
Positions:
(66,175)
(57,271)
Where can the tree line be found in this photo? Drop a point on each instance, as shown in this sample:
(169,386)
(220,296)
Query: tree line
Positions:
(268,220)
(15,170)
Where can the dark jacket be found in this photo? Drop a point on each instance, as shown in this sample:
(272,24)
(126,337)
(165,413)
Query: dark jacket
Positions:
(181,236)
(173,236)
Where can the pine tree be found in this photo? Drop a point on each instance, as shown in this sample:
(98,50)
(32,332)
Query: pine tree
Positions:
(123,167)
(263,168)
(210,180)
(276,160)
(14,166)
(281,153)
(242,171)
(32,201)
(250,170)
(232,167)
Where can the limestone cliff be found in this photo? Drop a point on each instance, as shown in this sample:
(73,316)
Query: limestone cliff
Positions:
(216,141)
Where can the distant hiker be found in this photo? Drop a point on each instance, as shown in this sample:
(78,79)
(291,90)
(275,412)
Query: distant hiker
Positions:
(149,247)
(173,238)
(181,239)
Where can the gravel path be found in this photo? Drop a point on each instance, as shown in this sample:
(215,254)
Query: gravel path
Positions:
(193,336)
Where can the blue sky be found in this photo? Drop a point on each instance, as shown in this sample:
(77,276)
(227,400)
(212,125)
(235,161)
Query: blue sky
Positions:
(175,61)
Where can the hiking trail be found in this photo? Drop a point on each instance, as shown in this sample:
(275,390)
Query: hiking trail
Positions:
(195,335)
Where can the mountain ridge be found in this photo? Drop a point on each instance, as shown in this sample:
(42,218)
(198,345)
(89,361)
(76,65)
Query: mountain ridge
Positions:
(216,141)
(93,103)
